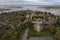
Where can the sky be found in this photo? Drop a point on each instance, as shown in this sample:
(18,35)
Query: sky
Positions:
(30,2)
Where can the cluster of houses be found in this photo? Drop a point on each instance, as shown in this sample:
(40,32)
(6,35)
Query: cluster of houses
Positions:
(40,23)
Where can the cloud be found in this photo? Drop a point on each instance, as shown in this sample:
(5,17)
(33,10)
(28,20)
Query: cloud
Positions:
(30,2)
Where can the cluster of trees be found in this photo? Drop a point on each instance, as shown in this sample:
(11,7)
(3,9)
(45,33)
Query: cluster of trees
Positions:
(55,29)
(12,25)
(13,34)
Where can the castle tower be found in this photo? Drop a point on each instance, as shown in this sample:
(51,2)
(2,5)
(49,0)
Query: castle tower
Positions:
(38,26)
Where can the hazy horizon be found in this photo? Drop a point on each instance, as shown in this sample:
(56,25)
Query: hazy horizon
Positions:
(31,2)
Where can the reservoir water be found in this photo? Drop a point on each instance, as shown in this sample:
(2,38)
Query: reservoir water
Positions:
(33,8)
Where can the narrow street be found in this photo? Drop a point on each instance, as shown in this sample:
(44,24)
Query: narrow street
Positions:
(24,36)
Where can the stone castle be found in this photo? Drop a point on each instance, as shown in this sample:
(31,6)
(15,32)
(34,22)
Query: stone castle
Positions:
(40,23)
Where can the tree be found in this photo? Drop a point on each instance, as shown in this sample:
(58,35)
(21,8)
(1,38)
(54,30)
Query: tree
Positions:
(57,34)
(52,29)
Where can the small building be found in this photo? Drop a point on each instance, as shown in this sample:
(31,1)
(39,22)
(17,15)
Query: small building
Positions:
(27,17)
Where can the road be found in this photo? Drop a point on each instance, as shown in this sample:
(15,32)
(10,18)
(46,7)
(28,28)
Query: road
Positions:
(24,37)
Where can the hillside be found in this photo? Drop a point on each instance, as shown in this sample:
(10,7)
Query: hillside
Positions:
(13,24)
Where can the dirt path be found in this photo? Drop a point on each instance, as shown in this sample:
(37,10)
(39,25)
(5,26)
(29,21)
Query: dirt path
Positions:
(24,37)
